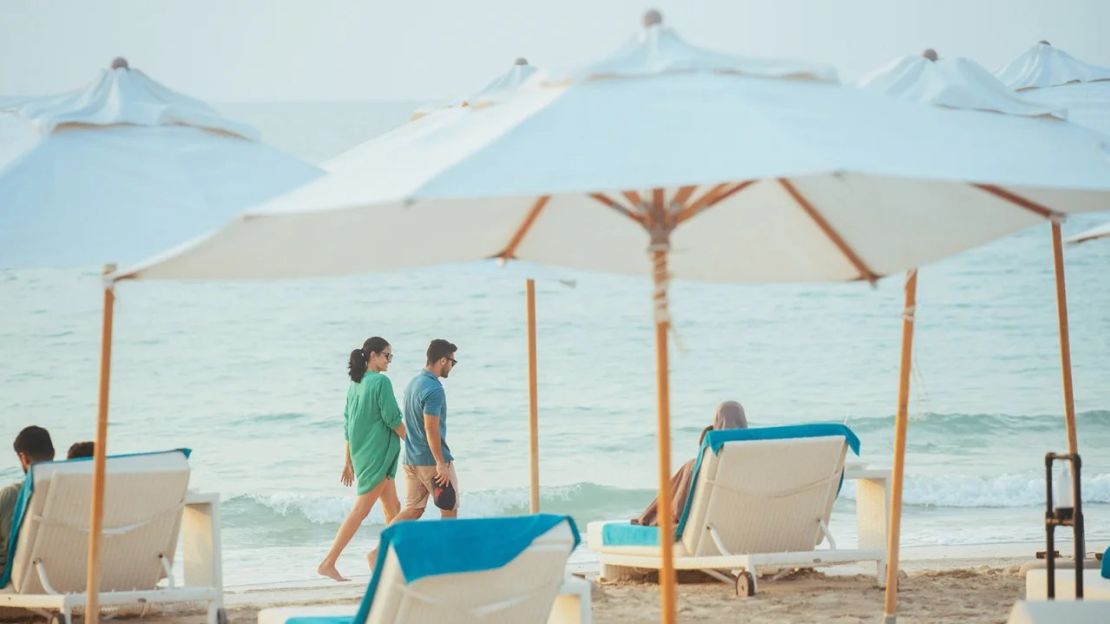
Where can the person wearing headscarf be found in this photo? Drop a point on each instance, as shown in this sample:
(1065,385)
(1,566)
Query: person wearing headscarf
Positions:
(730,415)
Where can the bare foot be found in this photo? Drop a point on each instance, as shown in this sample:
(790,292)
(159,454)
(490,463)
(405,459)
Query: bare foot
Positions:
(329,571)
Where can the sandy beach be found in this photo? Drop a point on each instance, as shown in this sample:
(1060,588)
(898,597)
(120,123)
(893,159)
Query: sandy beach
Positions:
(977,590)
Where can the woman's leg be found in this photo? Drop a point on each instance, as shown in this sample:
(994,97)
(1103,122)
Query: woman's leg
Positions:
(391,505)
(363,504)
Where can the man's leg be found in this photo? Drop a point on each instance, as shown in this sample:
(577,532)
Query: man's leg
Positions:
(417,490)
(416,497)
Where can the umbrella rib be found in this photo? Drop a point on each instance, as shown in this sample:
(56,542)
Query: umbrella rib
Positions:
(830,232)
(634,199)
(607,201)
(683,195)
(712,197)
(1020,201)
(518,236)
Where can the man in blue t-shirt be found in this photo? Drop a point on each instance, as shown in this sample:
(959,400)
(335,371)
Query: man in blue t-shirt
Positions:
(428,462)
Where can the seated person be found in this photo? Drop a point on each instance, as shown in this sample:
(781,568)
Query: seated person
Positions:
(80,449)
(730,415)
(32,445)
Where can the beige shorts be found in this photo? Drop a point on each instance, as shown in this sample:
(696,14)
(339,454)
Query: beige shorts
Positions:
(420,483)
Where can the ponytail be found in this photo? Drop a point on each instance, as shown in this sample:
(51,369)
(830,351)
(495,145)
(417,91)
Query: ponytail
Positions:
(360,358)
(356,367)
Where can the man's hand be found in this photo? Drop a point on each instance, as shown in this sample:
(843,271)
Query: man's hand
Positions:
(348,476)
(443,473)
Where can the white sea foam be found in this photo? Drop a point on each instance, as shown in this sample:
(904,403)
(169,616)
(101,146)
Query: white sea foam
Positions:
(1006,490)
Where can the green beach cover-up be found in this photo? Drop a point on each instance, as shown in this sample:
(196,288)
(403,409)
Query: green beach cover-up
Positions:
(369,419)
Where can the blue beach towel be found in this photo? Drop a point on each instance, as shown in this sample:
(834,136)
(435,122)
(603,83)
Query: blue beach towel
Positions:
(437,547)
(623,534)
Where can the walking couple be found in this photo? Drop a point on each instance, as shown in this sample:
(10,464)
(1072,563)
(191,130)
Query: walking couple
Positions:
(374,426)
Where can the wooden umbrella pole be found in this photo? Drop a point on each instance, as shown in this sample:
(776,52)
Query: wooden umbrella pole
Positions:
(533,401)
(890,604)
(662,371)
(100,448)
(1065,341)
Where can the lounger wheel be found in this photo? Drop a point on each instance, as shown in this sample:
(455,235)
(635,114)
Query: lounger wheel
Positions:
(745,585)
(221,616)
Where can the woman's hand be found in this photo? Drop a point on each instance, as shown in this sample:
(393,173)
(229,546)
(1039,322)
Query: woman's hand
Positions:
(348,476)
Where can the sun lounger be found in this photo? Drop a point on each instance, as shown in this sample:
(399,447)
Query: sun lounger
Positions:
(490,570)
(1060,612)
(143,503)
(761,497)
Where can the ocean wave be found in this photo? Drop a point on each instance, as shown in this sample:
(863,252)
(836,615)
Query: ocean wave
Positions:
(980,424)
(1006,490)
(590,501)
(585,501)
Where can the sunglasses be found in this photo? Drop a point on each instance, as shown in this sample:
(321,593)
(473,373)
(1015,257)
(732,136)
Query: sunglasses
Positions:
(453,361)
(388,357)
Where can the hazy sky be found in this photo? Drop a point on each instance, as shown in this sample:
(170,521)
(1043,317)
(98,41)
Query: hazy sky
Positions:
(225,50)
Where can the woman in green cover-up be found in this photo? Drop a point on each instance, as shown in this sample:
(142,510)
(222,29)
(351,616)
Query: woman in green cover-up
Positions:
(373,427)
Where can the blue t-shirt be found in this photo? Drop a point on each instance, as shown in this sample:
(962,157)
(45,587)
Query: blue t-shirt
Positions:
(424,395)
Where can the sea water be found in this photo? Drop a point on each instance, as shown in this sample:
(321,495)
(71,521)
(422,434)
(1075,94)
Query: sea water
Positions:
(251,376)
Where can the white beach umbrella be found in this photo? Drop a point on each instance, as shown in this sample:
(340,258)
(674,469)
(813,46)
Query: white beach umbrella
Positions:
(962,84)
(117,170)
(1101,231)
(957,83)
(1050,76)
(122,168)
(445,111)
(725,168)
(498,88)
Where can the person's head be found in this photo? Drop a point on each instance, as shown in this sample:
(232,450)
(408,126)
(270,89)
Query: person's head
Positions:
(441,357)
(81,449)
(375,355)
(32,445)
(730,415)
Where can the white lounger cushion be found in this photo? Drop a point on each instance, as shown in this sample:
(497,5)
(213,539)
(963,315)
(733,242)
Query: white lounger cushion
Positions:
(760,496)
(765,496)
(489,571)
(522,590)
(143,500)
(572,606)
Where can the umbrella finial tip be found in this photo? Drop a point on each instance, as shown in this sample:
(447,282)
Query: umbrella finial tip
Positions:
(930,54)
(652,18)
(1044,42)
(520,60)
(120,63)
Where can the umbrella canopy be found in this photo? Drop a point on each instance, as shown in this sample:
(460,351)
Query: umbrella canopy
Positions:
(803,176)
(446,112)
(1049,76)
(499,87)
(957,83)
(1101,231)
(124,167)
